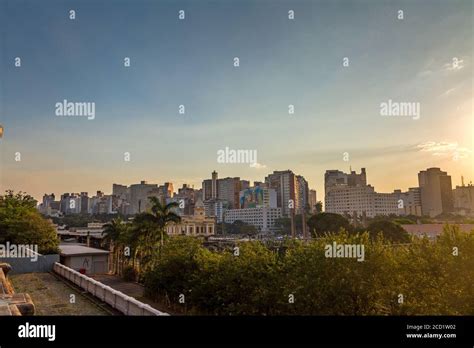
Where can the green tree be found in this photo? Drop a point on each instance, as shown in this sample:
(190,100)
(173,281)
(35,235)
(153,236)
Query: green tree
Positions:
(115,234)
(158,216)
(322,223)
(20,223)
(390,230)
(319,207)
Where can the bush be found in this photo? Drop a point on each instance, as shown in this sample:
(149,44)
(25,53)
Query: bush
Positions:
(129,273)
(417,278)
(20,223)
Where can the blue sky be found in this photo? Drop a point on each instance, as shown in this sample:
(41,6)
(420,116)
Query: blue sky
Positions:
(190,62)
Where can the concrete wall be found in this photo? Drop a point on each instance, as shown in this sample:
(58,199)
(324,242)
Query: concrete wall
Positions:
(93,264)
(43,264)
(116,299)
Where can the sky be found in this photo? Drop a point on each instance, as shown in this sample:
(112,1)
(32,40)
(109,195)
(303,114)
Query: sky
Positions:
(337,123)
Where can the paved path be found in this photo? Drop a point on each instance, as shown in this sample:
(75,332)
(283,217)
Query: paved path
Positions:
(131,289)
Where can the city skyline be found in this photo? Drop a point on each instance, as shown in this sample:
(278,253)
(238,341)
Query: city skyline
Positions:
(199,186)
(188,62)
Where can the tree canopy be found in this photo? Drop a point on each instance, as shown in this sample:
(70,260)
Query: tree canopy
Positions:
(322,223)
(20,223)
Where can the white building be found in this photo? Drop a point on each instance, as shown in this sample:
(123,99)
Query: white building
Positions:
(262,218)
(349,194)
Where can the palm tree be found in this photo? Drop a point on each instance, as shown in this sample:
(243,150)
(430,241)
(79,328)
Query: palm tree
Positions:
(113,234)
(156,220)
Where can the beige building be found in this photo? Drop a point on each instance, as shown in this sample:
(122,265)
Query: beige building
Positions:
(436,192)
(409,203)
(464,199)
(193,225)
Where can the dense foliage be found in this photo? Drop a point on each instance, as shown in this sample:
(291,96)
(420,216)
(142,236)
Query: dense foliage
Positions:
(420,278)
(20,223)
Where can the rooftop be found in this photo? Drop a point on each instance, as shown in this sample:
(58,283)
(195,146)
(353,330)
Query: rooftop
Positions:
(72,250)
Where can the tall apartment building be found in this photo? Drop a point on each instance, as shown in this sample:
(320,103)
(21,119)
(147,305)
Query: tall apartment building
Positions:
(185,198)
(214,183)
(49,206)
(216,208)
(292,190)
(166,190)
(139,194)
(207,189)
(47,199)
(312,201)
(302,194)
(210,187)
(464,199)
(84,200)
(70,203)
(436,192)
(228,190)
(349,194)
(101,204)
(224,189)
(409,203)
(119,190)
(336,177)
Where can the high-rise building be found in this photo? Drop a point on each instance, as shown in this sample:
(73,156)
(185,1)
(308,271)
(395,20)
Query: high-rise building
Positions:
(84,203)
(228,190)
(223,189)
(436,192)
(302,194)
(409,203)
(244,184)
(166,190)
(139,194)
(215,188)
(70,203)
(49,206)
(336,177)
(119,190)
(207,189)
(312,201)
(464,199)
(284,183)
(292,191)
(349,194)
(47,199)
(186,199)
(216,208)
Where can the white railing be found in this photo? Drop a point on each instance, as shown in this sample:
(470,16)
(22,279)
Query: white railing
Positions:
(116,299)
